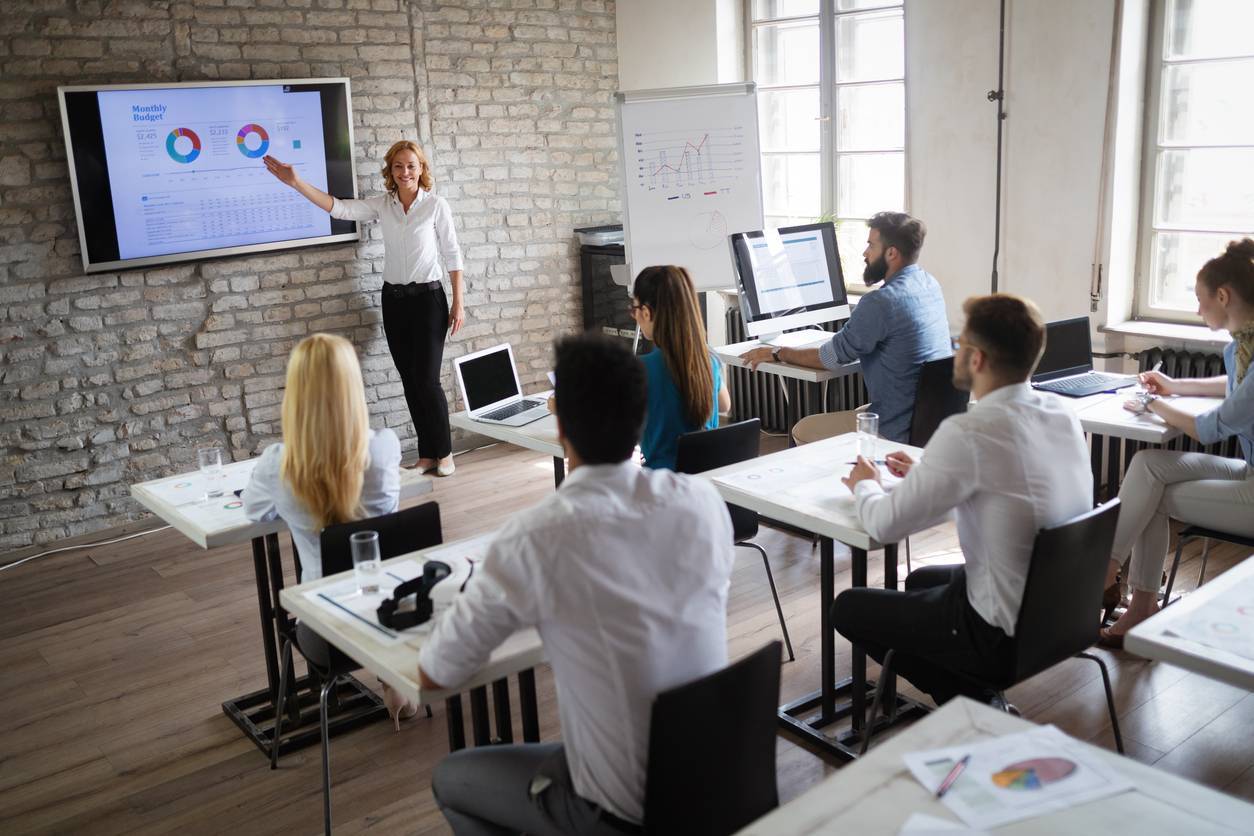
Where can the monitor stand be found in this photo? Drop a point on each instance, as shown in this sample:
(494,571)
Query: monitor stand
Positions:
(795,339)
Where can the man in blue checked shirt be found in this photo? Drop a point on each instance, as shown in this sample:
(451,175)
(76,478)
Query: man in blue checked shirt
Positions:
(893,331)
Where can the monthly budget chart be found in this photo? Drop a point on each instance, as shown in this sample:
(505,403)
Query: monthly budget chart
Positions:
(185,167)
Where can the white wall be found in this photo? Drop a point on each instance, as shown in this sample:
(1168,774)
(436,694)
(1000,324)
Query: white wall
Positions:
(667,43)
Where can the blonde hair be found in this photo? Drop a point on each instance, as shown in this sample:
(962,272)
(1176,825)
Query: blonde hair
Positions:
(680,336)
(326,429)
(424,179)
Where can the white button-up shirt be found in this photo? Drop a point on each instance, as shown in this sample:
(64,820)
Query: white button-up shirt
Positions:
(413,241)
(624,572)
(1015,463)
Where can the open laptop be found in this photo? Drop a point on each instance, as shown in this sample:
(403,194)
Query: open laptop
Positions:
(488,381)
(1066,367)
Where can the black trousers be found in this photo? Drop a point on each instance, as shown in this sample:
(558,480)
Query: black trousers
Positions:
(415,321)
(935,632)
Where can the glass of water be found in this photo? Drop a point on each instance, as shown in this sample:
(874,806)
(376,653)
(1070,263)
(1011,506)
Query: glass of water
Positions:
(365,548)
(868,432)
(210,461)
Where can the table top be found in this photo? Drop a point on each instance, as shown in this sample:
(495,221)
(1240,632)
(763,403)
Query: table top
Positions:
(178,500)
(801,486)
(1103,414)
(730,354)
(877,793)
(396,661)
(540,436)
(1155,638)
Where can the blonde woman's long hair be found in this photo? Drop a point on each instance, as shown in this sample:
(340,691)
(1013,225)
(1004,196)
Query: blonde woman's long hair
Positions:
(680,336)
(424,179)
(326,429)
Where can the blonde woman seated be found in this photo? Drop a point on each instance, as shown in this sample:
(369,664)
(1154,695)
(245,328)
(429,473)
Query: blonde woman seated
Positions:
(330,467)
(1196,488)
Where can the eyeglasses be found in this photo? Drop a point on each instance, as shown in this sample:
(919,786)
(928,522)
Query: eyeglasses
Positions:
(633,307)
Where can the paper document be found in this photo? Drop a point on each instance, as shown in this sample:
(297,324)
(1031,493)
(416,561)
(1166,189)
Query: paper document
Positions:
(1225,623)
(342,599)
(1017,776)
(186,488)
(921,824)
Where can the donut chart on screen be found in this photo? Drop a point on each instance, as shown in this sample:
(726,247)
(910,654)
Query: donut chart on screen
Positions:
(243,134)
(173,152)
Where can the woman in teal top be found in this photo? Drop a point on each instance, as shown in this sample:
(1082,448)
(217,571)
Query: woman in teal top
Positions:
(686,390)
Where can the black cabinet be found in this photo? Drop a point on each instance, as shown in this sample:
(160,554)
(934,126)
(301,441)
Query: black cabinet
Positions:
(605,304)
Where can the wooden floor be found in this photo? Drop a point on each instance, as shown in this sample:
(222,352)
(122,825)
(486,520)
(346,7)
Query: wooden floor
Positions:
(115,661)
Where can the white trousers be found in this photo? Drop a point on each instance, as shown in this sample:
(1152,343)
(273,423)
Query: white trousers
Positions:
(1196,488)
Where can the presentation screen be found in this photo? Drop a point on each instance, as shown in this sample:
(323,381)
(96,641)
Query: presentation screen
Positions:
(788,278)
(165,173)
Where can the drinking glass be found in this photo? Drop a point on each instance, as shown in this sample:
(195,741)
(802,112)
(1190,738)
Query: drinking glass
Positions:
(365,548)
(868,432)
(210,461)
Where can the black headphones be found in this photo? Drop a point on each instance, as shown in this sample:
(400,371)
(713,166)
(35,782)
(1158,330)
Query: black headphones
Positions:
(433,571)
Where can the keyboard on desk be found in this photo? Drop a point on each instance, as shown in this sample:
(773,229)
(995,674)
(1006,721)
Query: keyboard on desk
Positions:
(1085,384)
(510,410)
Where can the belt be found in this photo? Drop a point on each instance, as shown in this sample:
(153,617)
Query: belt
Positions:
(397,291)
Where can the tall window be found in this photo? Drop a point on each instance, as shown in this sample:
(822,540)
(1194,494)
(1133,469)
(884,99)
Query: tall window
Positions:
(832,113)
(1199,148)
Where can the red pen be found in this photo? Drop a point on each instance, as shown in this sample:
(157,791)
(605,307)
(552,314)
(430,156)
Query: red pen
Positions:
(952,776)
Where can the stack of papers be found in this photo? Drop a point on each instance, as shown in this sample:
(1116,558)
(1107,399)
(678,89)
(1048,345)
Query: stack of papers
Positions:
(1017,776)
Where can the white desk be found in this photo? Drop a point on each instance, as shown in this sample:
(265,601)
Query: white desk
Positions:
(730,354)
(1104,414)
(1153,637)
(801,486)
(222,523)
(877,794)
(540,436)
(396,663)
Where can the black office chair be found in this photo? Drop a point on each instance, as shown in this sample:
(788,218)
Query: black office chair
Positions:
(399,533)
(707,449)
(711,767)
(935,399)
(1187,535)
(1063,591)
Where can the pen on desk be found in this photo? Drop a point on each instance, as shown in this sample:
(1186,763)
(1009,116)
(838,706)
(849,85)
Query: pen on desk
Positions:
(873,461)
(952,776)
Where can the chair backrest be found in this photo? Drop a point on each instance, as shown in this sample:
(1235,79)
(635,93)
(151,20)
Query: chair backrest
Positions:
(1063,593)
(705,450)
(711,766)
(400,532)
(935,399)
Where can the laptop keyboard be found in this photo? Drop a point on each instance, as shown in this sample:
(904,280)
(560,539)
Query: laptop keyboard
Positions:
(510,410)
(1095,381)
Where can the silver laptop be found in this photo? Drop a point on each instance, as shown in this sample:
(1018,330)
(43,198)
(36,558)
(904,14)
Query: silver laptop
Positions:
(488,381)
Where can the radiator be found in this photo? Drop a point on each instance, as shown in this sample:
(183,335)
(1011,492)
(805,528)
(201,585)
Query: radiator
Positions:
(760,395)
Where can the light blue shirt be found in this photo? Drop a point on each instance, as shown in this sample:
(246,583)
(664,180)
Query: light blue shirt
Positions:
(664,420)
(893,331)
(268,496)
(1235,416)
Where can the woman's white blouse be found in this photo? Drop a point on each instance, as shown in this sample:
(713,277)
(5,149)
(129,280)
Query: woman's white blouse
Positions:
(414,242)
(268,496)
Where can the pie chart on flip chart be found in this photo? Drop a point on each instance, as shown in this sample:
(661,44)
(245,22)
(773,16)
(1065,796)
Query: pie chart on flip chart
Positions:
(1033,774)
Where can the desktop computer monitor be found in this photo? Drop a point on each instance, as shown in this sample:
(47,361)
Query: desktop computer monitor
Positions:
(788,278)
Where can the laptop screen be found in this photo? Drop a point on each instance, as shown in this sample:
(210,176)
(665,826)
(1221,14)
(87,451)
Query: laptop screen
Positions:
(1068,349)
(488,379)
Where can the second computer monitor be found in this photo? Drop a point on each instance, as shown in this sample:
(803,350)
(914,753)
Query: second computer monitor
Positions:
(788,278)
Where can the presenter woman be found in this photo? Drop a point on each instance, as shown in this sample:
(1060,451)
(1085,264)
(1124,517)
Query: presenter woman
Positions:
(417,235)
(1197,488)
(686,391)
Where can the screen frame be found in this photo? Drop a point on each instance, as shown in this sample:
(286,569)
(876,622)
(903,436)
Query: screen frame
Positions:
(217,252)
(763,324)
(1068,371)
(458,362)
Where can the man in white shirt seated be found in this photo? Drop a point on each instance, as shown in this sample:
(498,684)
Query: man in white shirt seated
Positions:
(1014,463)
(624,572)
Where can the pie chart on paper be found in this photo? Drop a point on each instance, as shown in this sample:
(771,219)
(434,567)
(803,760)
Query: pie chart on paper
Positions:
(1033,774)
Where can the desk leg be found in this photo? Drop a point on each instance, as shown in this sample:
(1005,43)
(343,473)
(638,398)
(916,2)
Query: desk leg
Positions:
(890,582)
(500,705)
(282,626)
(456,725)
(827,594)
(559,471)
(479,716)
(261,572)
(857,659)
(1095,462)
(527,706)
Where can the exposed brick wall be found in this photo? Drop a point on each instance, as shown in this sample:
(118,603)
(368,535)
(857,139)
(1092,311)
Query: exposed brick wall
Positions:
(110,379)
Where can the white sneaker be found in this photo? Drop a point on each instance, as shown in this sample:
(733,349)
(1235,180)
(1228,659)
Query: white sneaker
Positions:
(443,469)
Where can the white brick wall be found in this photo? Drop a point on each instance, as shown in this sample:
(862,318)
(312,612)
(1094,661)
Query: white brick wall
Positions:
(111,379)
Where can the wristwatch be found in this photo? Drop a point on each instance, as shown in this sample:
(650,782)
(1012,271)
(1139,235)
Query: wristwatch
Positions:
(775,353)
(1145,399)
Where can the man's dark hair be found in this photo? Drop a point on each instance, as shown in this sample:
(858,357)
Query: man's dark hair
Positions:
(1008,329)
(897,229)
(600,397)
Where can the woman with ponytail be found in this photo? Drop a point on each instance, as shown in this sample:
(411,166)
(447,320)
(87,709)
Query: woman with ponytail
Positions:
(1196,488)
(686,390)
